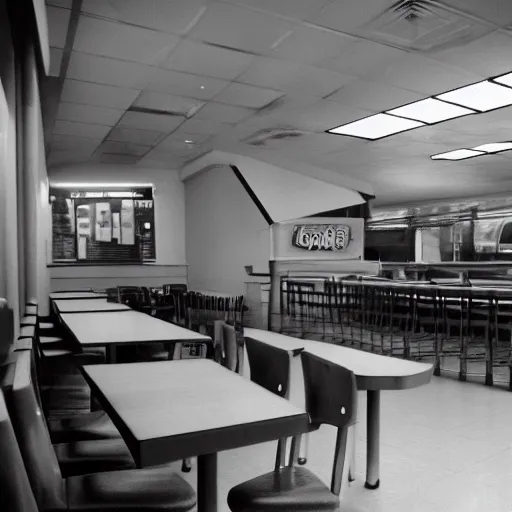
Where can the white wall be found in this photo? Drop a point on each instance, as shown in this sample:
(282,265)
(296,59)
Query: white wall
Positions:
(224,232)
(288,195)
(169,201)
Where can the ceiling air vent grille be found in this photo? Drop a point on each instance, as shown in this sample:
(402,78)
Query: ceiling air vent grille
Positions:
(272,137)
(424,25)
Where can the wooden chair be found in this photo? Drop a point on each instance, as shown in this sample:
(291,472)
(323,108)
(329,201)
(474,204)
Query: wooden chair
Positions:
(16,493)
(331,398)
(146,489)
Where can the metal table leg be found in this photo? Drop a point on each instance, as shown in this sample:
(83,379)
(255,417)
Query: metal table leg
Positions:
(207,483)
(373,443)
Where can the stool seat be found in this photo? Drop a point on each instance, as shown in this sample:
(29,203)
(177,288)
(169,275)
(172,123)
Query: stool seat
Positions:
(290,488)
(82,427)
(84,457)
(151,490)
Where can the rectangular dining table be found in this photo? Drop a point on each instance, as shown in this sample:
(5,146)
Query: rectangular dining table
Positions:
(374,373)
(114,328)
(172,410)
(87,306)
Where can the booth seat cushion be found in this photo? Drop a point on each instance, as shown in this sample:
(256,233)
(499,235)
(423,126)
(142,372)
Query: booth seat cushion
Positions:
(83,457)
(53,342)
(149,490)
(82,427)
(292,488)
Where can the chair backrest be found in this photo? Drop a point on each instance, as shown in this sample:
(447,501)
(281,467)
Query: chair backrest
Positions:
(270,366)
(28,344)
(34,439)
(15,492)
(331,392)
(331,398)
(6,330)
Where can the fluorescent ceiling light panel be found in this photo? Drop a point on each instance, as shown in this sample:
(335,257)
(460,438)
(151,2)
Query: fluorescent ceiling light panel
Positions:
(483,96)
(99,185)
(376,127)
(494,147)
(458,154)
(505,79)
(430,111)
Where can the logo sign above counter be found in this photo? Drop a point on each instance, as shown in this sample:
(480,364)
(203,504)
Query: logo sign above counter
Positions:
(321,237)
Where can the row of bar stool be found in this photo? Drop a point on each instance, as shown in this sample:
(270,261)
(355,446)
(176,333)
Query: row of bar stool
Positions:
(454,327)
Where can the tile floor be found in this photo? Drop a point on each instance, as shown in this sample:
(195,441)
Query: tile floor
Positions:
(444,447)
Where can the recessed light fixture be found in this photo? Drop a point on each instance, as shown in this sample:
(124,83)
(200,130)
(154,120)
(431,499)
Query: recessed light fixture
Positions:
(504,79)
(202,86)
(189,142)
(458,154)
(494,147)
(99,185)
(376,127)
(482,96)
(430,111)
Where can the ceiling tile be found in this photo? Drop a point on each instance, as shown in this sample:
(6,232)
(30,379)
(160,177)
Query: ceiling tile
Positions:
(135,136)
(123,148)
(71,143)
(202,127)
(88,93)
(118,159)
(247,96)
(181,135)
(155,122)
(496,11)
(324,115)
(59,158)
(102,70)
(88,114)
(295,9)
(93,131)
(349,16)
(55,61)
(58,21)
(293,77)
(487,56)
(185,84)
(207,60)
(66,4)
(120,41)
(424,75)
(233,26)
(176,105)
(223,113)
(165,16)
(373,96)
(362,58)
(311,45)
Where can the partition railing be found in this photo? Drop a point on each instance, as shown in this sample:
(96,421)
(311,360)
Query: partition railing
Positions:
(460,329)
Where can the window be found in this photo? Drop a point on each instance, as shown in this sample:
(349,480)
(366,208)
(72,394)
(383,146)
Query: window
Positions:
(103,226)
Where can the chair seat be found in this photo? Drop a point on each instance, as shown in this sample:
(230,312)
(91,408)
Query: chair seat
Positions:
(148,490)
(83,457)
(292,488)
(82,427)
(46,325)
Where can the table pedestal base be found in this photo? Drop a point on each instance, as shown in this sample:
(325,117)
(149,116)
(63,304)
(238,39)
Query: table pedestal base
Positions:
(207,483)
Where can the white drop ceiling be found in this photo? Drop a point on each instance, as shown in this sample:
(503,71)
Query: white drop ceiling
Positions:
(145,76)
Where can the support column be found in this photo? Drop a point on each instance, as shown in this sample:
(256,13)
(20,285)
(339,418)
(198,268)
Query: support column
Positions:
(9,171)
(30,169)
